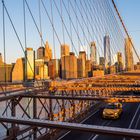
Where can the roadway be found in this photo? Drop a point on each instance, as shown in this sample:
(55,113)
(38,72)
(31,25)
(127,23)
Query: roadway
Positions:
(130,118)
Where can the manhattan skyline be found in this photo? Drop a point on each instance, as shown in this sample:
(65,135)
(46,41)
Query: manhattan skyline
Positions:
(12,45)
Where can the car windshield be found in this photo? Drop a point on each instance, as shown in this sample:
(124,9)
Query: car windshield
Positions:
(112,106)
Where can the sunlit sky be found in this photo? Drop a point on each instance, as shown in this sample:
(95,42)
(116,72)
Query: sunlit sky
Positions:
(129,10)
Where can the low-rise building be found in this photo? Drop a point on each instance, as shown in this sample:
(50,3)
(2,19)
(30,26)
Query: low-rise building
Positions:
(18,72)
(6,72)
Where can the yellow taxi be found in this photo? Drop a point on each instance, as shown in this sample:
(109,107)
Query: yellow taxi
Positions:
(112,111)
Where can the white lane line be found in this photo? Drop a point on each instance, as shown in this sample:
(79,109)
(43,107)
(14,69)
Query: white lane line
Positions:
(63,135)
(134,116)
(137,122)
(133,120)
(80,122)
(96,136)
(90,116)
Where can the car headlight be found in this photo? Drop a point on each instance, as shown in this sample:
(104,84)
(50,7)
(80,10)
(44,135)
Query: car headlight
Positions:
(104,113)
(116,114)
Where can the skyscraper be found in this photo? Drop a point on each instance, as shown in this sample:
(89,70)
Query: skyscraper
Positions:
(30,64)
(82,55)
(129,62)
(119,63)
(81,64)
(54,68)
(107,51)
(101,61)
(88,68)
(93,54)
(48,52)
(40,53)
(119,57)
(65,50)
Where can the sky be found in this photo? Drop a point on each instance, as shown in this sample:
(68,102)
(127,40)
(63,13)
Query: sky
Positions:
(129,10)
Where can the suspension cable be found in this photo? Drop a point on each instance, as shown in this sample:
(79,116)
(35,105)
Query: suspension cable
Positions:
(125,29)
(4,44)
(40,21)
(53,30)
(62,20)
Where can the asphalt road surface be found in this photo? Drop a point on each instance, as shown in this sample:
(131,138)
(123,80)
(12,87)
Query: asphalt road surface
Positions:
(130,118)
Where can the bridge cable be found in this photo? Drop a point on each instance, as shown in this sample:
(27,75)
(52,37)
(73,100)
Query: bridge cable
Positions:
(108,22)
(121,20)
(115,21)
(103,21)
(119,32)
(62,20)
(40,21)
(115,27)
(78,22)
(18,38)
(70,26)
(89,24)
(51,22)
(96,22)
(64,23)
(4,45)
(53,29)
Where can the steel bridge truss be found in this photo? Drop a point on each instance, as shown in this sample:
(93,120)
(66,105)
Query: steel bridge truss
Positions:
(69,101)
(65,107)
(104,130)
(30,106)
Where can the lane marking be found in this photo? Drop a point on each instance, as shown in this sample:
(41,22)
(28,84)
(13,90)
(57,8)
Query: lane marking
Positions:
(134,116)
(96,136)
(133,120)
(80,122)
(137,122)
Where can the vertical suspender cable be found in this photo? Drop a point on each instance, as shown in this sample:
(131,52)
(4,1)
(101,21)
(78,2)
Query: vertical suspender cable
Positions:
(25,43)
(107,20)
(94,11)
(66,29)
(89,35)
(62,19)
(69,10)
(40,23)
(80,25)
(4,47)
(25,38)
(77,25)
(53,30)
(15,31)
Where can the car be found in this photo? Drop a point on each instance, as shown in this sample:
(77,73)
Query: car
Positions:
(112,111)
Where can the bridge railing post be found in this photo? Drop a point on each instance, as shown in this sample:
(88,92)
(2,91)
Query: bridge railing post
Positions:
(63,108)
(35,116)
(12,132)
